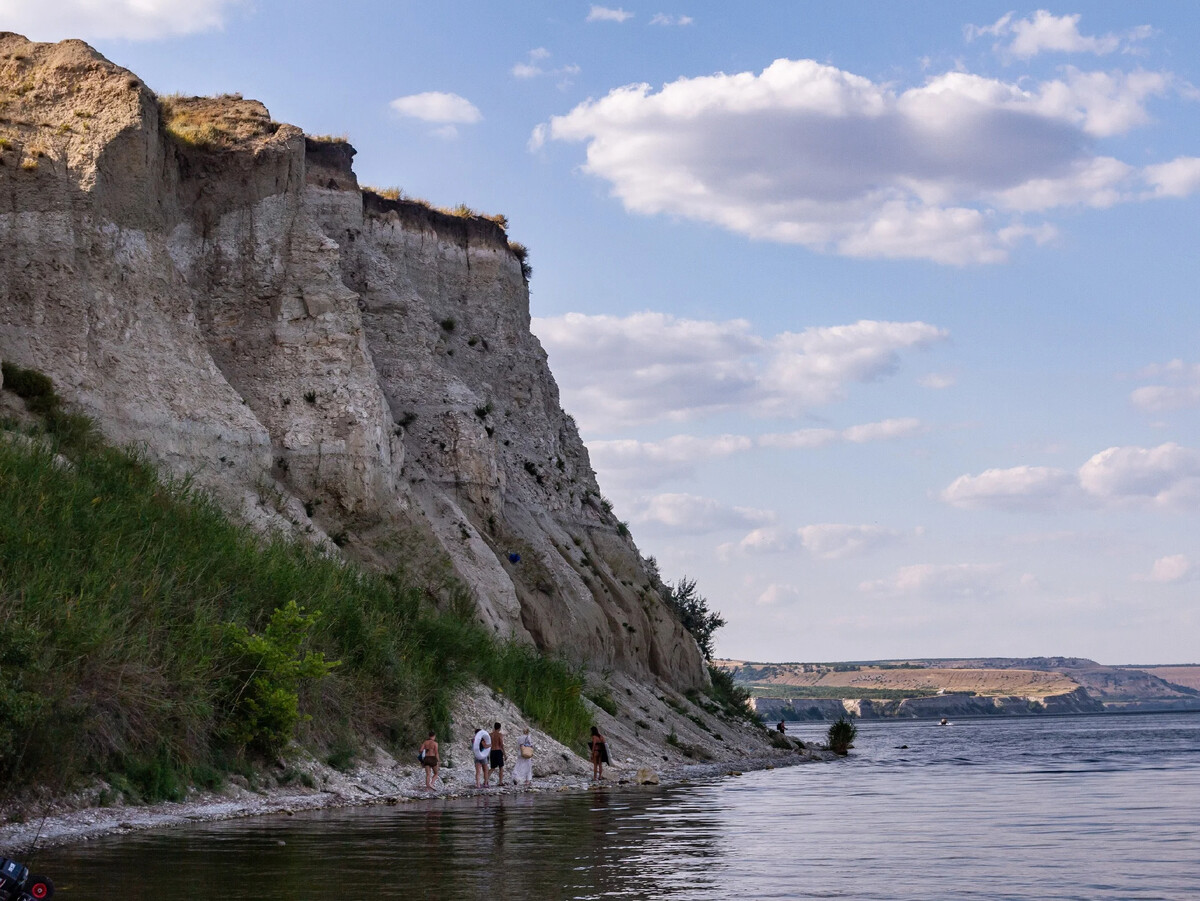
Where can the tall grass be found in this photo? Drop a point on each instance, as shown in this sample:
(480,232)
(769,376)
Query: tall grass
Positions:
(127,605)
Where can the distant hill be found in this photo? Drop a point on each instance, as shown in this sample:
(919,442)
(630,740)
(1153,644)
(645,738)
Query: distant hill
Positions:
(962,687)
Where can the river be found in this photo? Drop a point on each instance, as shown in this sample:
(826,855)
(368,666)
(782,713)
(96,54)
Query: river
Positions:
(1080,807)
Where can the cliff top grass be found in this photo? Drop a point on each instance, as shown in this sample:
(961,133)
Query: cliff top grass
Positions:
(217,122)
(396,199)
(459,211)
(146,638)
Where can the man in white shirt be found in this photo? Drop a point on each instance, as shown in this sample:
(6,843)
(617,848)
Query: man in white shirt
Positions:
(481,748)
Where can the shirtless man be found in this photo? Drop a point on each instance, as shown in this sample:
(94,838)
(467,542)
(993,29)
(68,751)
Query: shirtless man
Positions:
(497,756)
(480,746)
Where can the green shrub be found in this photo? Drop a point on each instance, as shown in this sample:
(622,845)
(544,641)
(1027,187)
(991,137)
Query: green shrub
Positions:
(842,735)
(732,699)
(603,699)
(692,609)
(33,387)
(269,671)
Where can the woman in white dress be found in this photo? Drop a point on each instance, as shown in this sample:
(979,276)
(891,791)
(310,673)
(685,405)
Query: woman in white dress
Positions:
(523,769)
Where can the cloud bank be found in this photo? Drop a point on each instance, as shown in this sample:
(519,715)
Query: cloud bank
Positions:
(1162,477)
(958,581)
(616,372)
(694,515)
(137,20)
(825,541)
(628,462)
(810,154)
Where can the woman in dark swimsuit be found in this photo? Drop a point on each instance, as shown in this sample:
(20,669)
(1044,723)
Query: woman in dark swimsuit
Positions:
(598,748)
(429,759)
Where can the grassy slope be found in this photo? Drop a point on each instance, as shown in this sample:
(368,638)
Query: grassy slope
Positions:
(121,602)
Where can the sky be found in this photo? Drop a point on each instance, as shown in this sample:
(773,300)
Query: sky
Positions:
(878,320)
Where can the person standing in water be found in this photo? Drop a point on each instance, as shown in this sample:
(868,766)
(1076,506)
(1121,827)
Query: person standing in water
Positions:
(598,749)
(523,769)
(497,755)
(429,760)
(480,747)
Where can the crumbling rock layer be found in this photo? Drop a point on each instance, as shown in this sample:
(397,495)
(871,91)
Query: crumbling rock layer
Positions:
(214,286)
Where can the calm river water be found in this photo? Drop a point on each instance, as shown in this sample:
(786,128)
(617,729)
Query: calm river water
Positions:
(1055,808)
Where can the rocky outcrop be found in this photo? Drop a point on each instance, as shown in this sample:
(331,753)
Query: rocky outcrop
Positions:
(214,286)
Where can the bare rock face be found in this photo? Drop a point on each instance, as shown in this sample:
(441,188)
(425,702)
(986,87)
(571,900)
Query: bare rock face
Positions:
(215,287)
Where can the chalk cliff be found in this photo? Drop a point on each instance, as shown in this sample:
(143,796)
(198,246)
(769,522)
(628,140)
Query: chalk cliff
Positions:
(215,287)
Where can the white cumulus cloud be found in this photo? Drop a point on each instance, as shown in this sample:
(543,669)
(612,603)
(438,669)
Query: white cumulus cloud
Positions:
(630,462)
(1178,388)
(138,20)
(1169,570)
(834,541)
(1045,32)
(810,154)
(1178,178)
(627,461)
(1167,477)
(534,67)
(648,367)
(437,106)
(692,514)
(1018,488)
(607,14)
(826,541)
(666,19)
(945,581)
(883,431)
(778,593)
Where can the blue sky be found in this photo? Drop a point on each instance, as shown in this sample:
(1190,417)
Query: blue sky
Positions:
(879,319)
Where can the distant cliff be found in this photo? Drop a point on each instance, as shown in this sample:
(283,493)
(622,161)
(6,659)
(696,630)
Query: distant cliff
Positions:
(935,707)
(215,287)
(975,686)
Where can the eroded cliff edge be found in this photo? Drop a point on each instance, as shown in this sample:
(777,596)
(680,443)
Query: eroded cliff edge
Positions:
(324,360)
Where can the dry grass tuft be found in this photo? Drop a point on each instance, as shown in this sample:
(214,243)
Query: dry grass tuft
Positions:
(214,123)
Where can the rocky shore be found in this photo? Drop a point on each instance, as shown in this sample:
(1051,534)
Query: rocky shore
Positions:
(302,782)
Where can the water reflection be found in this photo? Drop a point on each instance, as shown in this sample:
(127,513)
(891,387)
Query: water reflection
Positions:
(579,846)
(1069,808)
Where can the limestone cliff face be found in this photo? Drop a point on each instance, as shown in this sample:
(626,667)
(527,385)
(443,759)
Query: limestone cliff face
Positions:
(215,287)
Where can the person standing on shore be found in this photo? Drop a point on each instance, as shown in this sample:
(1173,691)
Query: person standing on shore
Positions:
(497,755)
(480,747)
(523,769)
(598,750)
(429,760)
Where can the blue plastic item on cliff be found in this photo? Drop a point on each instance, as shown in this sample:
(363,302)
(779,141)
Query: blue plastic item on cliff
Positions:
(514,558)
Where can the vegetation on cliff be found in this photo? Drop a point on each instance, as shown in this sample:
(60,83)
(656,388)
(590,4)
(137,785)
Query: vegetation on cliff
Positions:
(146,638)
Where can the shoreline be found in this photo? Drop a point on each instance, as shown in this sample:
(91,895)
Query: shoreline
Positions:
(381,782)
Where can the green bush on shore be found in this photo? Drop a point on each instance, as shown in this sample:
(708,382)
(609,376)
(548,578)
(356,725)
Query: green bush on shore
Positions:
(842,735)
(146,638)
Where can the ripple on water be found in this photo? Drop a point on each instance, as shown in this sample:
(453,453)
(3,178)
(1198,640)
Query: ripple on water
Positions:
(1048,809)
